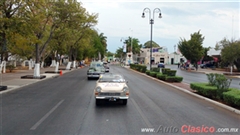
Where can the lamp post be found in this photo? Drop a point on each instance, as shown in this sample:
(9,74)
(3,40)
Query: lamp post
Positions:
(131,52)
(174,54)
(147,10)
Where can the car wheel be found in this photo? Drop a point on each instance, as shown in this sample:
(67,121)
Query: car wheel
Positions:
(97,102)
(89,78)
(124,101)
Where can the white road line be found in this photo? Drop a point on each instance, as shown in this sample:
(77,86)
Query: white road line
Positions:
(46,115)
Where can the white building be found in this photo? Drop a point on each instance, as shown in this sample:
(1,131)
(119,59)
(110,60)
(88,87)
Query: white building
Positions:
(159,55)
(176,57)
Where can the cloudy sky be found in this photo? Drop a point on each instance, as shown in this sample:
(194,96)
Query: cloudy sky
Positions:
(122,18)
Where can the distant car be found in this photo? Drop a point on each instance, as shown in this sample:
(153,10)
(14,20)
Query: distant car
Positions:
(161,65)
(95,70)
(207,65)
(135,62)
(105,65)
(111,87)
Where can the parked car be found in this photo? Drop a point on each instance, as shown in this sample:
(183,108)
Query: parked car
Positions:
(207,65)
(161,65)
(111,87)
(95,70)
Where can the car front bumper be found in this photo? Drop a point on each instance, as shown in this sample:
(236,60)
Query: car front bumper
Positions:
(111,97)
(93,76)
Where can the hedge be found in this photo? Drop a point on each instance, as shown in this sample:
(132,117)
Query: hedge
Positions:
(161,76)
(155,69)
(148,72)
(171,72)
(153,74)
(164,70)
(232,97)
(205,89)
(140,68)
(174,78)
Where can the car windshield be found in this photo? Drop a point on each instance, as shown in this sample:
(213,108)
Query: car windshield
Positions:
(111,78)
(97,64)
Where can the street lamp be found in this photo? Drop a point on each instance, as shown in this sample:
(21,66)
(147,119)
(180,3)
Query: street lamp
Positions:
(147,10)
(131,39)
(174,54)
(123,47)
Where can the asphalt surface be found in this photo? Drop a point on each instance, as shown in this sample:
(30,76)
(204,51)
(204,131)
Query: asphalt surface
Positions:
(200,76)
(65,105)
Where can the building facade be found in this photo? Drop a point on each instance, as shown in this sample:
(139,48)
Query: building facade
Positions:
(159,55)
(176,57)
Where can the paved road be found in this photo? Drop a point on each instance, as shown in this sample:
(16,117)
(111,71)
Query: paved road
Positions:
(189,77)
(65,106)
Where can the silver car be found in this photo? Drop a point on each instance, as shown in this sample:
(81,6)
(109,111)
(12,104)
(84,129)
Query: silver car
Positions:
(95,69)
(111,87)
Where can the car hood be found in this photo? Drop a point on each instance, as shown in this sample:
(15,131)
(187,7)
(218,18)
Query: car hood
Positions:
(111,87)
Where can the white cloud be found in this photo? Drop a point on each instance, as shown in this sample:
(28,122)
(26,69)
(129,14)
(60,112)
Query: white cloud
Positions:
(215,19)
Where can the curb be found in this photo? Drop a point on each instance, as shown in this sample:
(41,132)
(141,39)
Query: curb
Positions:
(229,108)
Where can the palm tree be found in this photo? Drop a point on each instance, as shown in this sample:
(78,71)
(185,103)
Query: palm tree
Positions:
(103,40)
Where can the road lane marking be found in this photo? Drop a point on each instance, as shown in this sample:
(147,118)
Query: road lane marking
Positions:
(46,115)
(142,115)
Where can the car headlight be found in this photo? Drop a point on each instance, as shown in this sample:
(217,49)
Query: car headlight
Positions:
(125,88)
(98,89)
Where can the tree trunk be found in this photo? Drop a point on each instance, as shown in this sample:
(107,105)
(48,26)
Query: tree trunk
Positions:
(237,64)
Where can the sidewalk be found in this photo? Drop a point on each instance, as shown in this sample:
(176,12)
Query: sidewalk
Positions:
(13,80)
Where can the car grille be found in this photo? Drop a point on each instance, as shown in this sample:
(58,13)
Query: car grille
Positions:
(110,94)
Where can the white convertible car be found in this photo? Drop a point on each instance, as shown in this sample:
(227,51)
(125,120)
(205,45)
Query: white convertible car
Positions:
(111,87)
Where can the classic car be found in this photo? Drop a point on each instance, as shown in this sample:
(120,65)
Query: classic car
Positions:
(95,70)
(111,87)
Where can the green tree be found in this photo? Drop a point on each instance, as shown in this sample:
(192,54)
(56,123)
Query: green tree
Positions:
(206,57)
(192,49)
(230,52)
(134,43)
(119,53)
(8,22)
(148,44)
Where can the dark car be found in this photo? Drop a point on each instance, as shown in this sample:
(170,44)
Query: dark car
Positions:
(161,65)
(106,67)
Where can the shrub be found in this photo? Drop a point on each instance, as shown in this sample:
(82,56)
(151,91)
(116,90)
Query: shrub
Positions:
(232,97)
(221,82)
(164,70)
(144,68)
(211,78)
(161,76)
(148,72)
(171,72)
(205,89)
(155,69)
(153,74)
(174,78)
